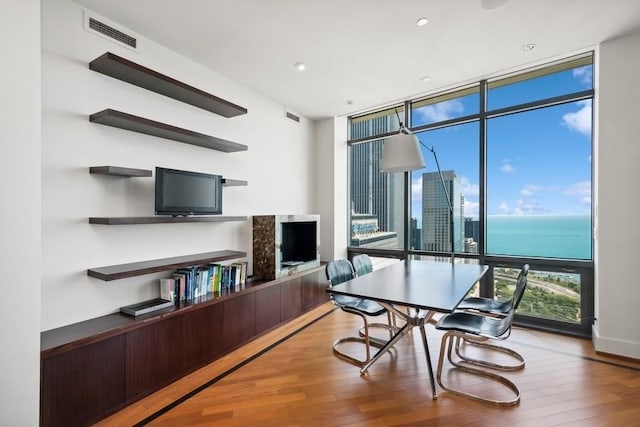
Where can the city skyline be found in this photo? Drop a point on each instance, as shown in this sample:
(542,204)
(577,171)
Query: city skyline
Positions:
(537,165)
(518,145)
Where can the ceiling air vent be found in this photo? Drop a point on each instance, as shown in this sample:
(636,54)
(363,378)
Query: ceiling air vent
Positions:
(105,29)
(291,116)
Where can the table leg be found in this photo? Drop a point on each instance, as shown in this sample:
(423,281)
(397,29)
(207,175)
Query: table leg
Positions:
(402,332)
(426,351)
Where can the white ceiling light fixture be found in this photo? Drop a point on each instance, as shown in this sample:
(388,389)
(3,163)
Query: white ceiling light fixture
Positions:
(492,4)
(425,79)
(529,46)
(300,66)
(401,152)
(422,22)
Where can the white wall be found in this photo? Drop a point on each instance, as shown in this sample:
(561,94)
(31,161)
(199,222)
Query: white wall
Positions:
(279,166)
(20,214)
(331,186)
(617,329)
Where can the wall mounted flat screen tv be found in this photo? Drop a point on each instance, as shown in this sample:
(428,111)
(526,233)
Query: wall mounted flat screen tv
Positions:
(182,193)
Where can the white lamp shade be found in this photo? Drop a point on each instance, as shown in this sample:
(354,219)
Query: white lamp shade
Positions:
(401,153)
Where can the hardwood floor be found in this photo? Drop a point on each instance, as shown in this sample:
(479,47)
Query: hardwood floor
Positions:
(290,377)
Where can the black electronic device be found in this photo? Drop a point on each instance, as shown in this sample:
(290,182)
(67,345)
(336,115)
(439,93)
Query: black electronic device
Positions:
(146,307)
(183,193)
(299,243)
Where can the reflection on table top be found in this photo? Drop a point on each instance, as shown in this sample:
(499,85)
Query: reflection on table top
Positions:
(427,285)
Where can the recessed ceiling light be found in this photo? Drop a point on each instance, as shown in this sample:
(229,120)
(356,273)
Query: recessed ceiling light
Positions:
(301,66)
(528,47)
(422,21)
(425,79)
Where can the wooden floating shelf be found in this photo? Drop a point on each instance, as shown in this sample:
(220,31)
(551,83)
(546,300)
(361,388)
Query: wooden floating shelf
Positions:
(139,124)
(159,219)
(121,271)
(119,171)
(122,69)
(233,182)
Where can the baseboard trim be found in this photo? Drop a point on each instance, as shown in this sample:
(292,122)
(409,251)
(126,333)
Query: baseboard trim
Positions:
(615,347)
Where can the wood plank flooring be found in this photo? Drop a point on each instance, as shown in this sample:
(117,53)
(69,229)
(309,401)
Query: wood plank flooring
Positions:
(290,377)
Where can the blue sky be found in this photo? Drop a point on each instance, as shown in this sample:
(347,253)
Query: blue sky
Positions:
(538,162)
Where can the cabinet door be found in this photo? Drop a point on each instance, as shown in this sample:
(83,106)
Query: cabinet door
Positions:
(80,385)
(202,336)
(314,289)
(291,299)
(239,321)
(153,356)
(267,308)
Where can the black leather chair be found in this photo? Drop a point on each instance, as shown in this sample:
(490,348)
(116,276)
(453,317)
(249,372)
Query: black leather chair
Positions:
(499,309)
(362,264)
(340,271)
(478,328)
(489,305)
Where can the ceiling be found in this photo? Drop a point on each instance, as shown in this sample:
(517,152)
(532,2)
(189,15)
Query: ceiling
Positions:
(362,54)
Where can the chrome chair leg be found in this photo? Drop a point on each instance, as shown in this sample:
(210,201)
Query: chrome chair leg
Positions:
(460,342)
(390,326)
(365,339)
(447,346)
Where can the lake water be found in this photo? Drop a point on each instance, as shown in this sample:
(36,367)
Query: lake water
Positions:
(549,236)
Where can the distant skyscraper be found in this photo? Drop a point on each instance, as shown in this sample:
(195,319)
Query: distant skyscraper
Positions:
(372,192)
(416,235)
(435,212)
(472,229)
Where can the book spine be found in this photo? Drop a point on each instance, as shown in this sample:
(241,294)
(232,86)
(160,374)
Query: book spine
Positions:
(167,289)
(210,277)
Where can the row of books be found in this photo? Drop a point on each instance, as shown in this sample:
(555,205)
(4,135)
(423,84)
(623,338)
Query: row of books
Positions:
(188,284)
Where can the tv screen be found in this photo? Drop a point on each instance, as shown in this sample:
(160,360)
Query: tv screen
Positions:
(298,242)
(180,192)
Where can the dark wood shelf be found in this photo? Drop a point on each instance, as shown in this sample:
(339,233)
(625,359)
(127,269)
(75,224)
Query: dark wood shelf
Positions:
(122,69)
(233,182)
(119,171)
(121,271)
(160,219)
(139,124)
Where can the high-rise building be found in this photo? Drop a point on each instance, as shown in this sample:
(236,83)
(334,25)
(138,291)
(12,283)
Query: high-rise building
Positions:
(415,235)
(471,232)
(372,192)
(435,212)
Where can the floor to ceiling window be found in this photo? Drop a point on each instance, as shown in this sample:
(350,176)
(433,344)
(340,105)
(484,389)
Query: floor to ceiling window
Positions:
(377,213)
(538,191)
(511,156)
(539,166)
(451,176)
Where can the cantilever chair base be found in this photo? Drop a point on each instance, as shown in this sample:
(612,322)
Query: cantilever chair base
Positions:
(351,359)
(390,326)
(484,363)
(338,272)
(366,339)
(447,343)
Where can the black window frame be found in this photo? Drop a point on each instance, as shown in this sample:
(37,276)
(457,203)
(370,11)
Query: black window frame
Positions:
(585,268)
